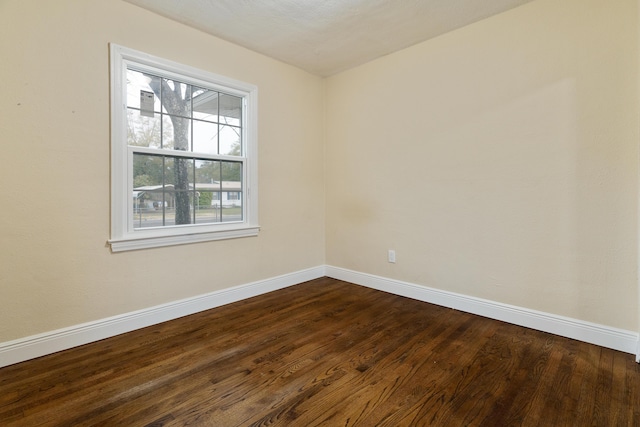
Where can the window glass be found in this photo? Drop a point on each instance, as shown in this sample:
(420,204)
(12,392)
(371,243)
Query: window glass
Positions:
(171,149)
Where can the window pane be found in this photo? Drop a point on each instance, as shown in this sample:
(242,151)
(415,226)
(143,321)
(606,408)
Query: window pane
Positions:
(207,209)
(176,98)
(205,137)
(183,204)
(230,141)
(136,82)
(176,133)
(179,173)
(231,191)
(147,170)
(208,173)
(231,171)
(230,110)
(147,193)
(170,210)
(205,105)
(169,171)
(148,218)
(208,191)
(143,131)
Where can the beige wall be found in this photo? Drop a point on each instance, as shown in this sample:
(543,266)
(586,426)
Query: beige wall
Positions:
(56,270)
(499,161)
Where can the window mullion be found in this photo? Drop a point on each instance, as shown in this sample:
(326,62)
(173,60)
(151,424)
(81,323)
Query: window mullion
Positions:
(186,154)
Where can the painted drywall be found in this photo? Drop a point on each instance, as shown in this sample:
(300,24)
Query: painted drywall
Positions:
(499,161)
(56,269)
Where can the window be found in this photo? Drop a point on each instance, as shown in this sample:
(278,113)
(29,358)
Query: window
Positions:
(181,137)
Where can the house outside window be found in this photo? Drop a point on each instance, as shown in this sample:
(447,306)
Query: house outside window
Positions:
(180,138)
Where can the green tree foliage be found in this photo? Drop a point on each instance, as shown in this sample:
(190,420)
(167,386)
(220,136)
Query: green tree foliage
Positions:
(205,199)
(219,171)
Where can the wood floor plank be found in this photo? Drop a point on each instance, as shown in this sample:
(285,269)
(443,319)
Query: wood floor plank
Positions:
(326,353)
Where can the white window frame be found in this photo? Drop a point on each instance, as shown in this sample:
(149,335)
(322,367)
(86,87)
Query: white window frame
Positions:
(123,235)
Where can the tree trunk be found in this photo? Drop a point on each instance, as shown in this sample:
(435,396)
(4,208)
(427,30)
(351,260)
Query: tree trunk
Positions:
(177,105)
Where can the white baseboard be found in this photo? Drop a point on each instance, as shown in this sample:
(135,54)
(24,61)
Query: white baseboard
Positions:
(617,339)
(50,342)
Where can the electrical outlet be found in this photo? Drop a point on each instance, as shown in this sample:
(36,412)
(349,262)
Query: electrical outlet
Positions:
(392,256)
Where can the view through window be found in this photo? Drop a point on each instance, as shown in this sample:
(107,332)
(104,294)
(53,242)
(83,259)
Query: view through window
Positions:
(184,147)
(201,185)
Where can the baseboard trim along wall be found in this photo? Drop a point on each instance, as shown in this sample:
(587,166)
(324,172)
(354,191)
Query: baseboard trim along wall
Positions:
(617,339)
(23,349)
(19,350)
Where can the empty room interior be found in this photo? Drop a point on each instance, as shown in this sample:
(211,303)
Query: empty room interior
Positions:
(458,158)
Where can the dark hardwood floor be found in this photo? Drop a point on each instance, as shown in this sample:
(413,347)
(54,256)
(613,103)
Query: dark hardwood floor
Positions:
(326,353)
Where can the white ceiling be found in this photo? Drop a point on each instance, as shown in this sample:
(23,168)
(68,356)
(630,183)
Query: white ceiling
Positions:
(327,36)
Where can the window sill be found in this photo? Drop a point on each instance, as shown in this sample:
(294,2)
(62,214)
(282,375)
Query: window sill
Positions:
(136,243)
